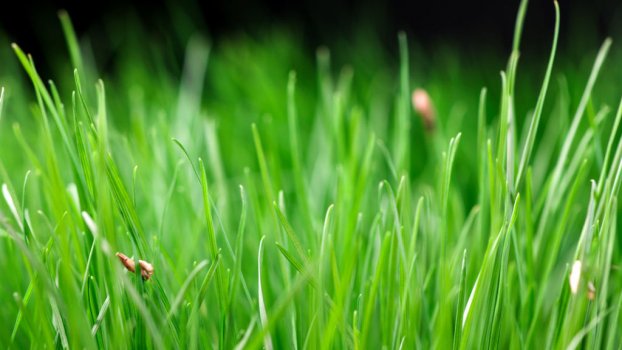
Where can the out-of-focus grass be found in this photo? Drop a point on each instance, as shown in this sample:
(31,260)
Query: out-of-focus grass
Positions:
(308,209)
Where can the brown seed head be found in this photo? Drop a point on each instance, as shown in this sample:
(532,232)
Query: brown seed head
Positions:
(127,262)
(146,269)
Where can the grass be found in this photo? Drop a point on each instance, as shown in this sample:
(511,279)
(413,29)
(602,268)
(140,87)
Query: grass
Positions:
(306,209)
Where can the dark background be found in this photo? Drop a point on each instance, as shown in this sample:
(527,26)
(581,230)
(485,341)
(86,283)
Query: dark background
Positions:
(468,23)
(469,26)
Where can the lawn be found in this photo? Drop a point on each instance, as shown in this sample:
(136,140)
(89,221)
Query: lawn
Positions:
(281,200)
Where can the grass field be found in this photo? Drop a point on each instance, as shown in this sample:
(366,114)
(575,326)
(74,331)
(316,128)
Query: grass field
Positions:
(312,208)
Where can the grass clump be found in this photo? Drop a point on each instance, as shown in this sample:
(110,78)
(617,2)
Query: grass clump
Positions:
(339,221)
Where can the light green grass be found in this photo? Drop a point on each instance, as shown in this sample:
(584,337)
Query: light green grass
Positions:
(307,210)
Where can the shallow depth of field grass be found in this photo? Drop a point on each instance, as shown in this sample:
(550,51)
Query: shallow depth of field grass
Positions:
(308,210)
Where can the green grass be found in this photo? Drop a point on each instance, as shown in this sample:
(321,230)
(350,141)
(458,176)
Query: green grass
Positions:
(308,209)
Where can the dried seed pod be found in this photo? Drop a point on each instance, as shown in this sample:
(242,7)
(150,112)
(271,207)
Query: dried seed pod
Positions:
(422,104)
(146,269)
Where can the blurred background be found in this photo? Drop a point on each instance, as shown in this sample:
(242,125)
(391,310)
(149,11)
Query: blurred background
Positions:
(452,35)
(471,27)
(455,49)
